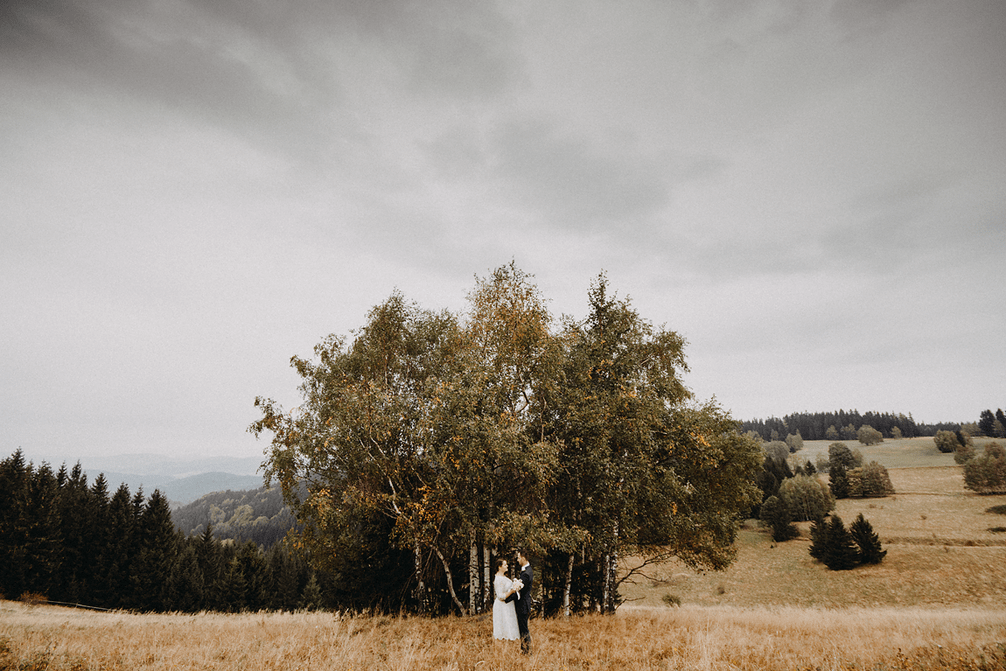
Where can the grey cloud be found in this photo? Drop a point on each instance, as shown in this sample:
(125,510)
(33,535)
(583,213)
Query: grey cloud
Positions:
(575,183)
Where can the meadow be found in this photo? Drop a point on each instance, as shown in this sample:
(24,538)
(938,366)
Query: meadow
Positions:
(936,602)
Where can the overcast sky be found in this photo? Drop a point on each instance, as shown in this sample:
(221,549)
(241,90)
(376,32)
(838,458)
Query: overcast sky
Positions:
(812,193)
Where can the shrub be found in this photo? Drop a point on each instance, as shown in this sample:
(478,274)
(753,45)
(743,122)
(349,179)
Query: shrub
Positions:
(794,441)
(777,450)
(672,600)
(946,441)
(865,537)
(776,515)
(986,474)
(806,498)
(868,435)
(871,480)
(964,454)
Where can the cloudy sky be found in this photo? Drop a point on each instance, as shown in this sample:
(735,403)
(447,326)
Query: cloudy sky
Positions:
(812,193)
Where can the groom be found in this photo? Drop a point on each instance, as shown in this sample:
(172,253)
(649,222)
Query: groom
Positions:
(523,605)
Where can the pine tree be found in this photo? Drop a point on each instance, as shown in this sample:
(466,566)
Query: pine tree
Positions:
(870,551)
(775,513)
(311,597)
(840,553)
(818,538)
(158,545)
(838,481)
(14,479)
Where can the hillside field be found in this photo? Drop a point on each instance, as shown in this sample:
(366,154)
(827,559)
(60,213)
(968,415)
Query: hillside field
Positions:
(938,601)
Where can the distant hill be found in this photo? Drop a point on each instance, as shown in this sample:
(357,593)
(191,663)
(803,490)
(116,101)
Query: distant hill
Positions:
(257,515)
(180,480)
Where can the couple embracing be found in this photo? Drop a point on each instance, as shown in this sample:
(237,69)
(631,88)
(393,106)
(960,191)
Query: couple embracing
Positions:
(512,605)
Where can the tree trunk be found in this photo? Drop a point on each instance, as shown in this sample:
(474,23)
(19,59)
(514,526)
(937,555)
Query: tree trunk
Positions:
(473,575)
(420,585)
(487,583)
(450,581)
(569,584)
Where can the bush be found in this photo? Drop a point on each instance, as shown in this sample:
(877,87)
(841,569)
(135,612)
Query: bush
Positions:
(777,450)
(868,435)
(776,515)
(986,474)
(946,441)
(865,537)
(672,600)
(964,454)
(795,442)
(806,498)
(871,480)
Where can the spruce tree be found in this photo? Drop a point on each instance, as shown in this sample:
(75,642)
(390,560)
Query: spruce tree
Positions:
(840,553)
(156,553)
(14,478)
(818,538)
(870,551)
(775,514)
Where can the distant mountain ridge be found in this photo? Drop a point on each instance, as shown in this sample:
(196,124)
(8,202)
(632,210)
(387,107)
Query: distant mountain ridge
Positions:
(180,480)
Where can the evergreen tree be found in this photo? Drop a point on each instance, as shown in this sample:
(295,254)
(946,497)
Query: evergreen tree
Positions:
(775,514)
(112,587)
(818,538)
(862,532)
(75,531)
(838,481)
(185,589)
(841,553)
(14,486)
(311,597)
(42,552)
(155,556)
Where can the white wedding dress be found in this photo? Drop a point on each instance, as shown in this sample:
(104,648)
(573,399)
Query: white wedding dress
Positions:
(504,614)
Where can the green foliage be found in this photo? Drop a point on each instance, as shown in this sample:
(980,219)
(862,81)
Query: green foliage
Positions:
(964,454)
(467,434)
(841,549)
(986,473)
(838,481)
(946,441)
(672,600)
(840,454)
(871,480)
(775,515)
(870,550)
(794,441)
(839,553)
(258,515)
(868,435)
(806,498)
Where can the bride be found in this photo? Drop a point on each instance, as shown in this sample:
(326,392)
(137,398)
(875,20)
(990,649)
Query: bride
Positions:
(504,614)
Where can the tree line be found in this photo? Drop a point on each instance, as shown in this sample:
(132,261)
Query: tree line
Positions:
(66,541)
(841,425)
(430,443)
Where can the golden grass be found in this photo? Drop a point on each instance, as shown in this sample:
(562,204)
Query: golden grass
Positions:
(936,602)
(940,552)
(691,637)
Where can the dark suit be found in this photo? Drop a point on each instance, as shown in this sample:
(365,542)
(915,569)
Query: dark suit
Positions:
(523,608)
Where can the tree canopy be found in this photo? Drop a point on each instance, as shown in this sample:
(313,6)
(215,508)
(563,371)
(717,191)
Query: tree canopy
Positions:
(431,441)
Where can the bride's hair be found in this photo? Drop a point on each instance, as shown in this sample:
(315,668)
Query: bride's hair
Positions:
(499,562)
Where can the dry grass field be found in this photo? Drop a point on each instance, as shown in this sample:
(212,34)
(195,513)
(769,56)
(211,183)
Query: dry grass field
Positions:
(938,601)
